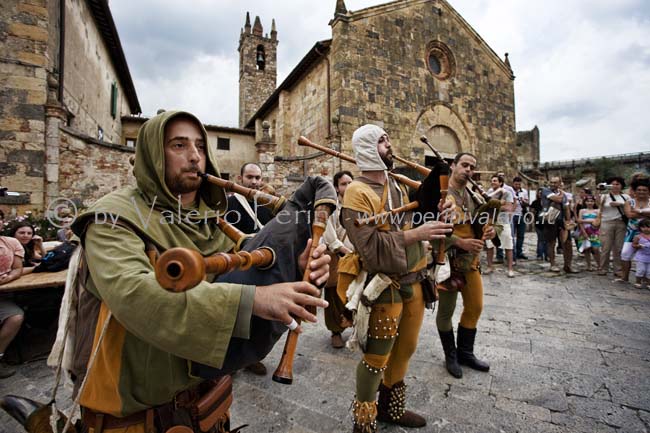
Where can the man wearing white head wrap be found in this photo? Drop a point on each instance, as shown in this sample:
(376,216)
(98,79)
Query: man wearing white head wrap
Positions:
(397,251)
(364,142)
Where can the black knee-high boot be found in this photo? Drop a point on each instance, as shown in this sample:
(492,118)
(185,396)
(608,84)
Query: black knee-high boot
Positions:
(466,350)
(449,347)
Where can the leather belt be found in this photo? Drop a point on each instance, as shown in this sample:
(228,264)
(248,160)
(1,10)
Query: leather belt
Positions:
(91,419)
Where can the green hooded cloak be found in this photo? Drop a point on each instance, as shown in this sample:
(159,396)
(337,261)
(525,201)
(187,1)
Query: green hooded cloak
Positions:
(143,361)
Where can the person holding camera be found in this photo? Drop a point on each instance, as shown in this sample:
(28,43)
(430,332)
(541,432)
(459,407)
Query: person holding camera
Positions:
(556,210)
(613,224)
(518,217)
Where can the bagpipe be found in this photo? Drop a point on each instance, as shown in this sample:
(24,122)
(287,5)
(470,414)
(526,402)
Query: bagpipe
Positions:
(268,257)
(429,192)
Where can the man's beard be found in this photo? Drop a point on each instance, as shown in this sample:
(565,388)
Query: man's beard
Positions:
(388,160)
(182,185)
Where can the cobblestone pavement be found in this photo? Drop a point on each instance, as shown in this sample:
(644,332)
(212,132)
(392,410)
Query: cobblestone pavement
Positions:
(568,353)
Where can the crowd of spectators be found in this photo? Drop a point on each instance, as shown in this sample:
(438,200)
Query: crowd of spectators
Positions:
(610,227)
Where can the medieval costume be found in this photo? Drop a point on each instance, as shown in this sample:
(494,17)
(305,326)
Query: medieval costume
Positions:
(141,376)
(247,216)
(466,278)
(397,311)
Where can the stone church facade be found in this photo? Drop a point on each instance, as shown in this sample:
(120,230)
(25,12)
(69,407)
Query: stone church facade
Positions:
(414,67)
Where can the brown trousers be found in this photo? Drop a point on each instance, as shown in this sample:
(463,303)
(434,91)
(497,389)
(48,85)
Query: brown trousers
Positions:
(612,235)
(334,312)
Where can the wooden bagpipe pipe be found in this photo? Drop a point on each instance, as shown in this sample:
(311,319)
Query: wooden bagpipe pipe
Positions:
(180,269)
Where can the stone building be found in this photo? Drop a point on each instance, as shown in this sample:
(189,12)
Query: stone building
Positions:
(257,67)
(414,67)
(65,86)
(69,113)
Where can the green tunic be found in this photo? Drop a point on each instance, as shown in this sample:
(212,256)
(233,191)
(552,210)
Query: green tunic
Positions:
(142,361)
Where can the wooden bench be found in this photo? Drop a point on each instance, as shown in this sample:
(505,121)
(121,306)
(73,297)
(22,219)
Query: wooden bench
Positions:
(35,281)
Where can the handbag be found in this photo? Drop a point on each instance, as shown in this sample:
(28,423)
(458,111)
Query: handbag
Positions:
(429,293)
(575,234)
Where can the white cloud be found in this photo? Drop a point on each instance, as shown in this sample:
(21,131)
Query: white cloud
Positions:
(205,89)
(582,68)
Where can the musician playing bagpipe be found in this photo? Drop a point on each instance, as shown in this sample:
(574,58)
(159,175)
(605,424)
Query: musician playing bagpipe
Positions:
(387,268)
(471,228)
(140,379)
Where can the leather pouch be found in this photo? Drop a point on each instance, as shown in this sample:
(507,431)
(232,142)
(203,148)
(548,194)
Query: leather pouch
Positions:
(213,407)
(429,294)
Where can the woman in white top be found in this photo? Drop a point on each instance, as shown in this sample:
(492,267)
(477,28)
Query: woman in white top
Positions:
(612,228)
(636,209)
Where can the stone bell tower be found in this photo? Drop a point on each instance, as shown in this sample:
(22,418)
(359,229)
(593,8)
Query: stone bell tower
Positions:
(257,67)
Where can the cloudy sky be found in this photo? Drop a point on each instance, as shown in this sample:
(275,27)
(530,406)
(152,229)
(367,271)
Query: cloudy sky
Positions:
(582,66)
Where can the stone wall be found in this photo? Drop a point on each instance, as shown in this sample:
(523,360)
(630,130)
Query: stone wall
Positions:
(32,159)
(23,92)
(595,169)
(90,169)
(380,73)
(527,151)
(301,111)
(242,149)
(89,74)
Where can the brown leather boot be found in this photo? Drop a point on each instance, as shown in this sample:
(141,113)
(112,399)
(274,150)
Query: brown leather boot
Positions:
(257,368)
(337,341)
(365,415)
(392,407)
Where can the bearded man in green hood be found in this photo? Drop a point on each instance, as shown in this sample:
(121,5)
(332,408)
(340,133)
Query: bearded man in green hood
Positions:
(141,373)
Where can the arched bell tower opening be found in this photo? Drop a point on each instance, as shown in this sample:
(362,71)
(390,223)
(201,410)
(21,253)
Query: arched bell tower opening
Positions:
(260,57)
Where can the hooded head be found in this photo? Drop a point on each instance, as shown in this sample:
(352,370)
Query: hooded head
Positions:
(364,142)
(149,167)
